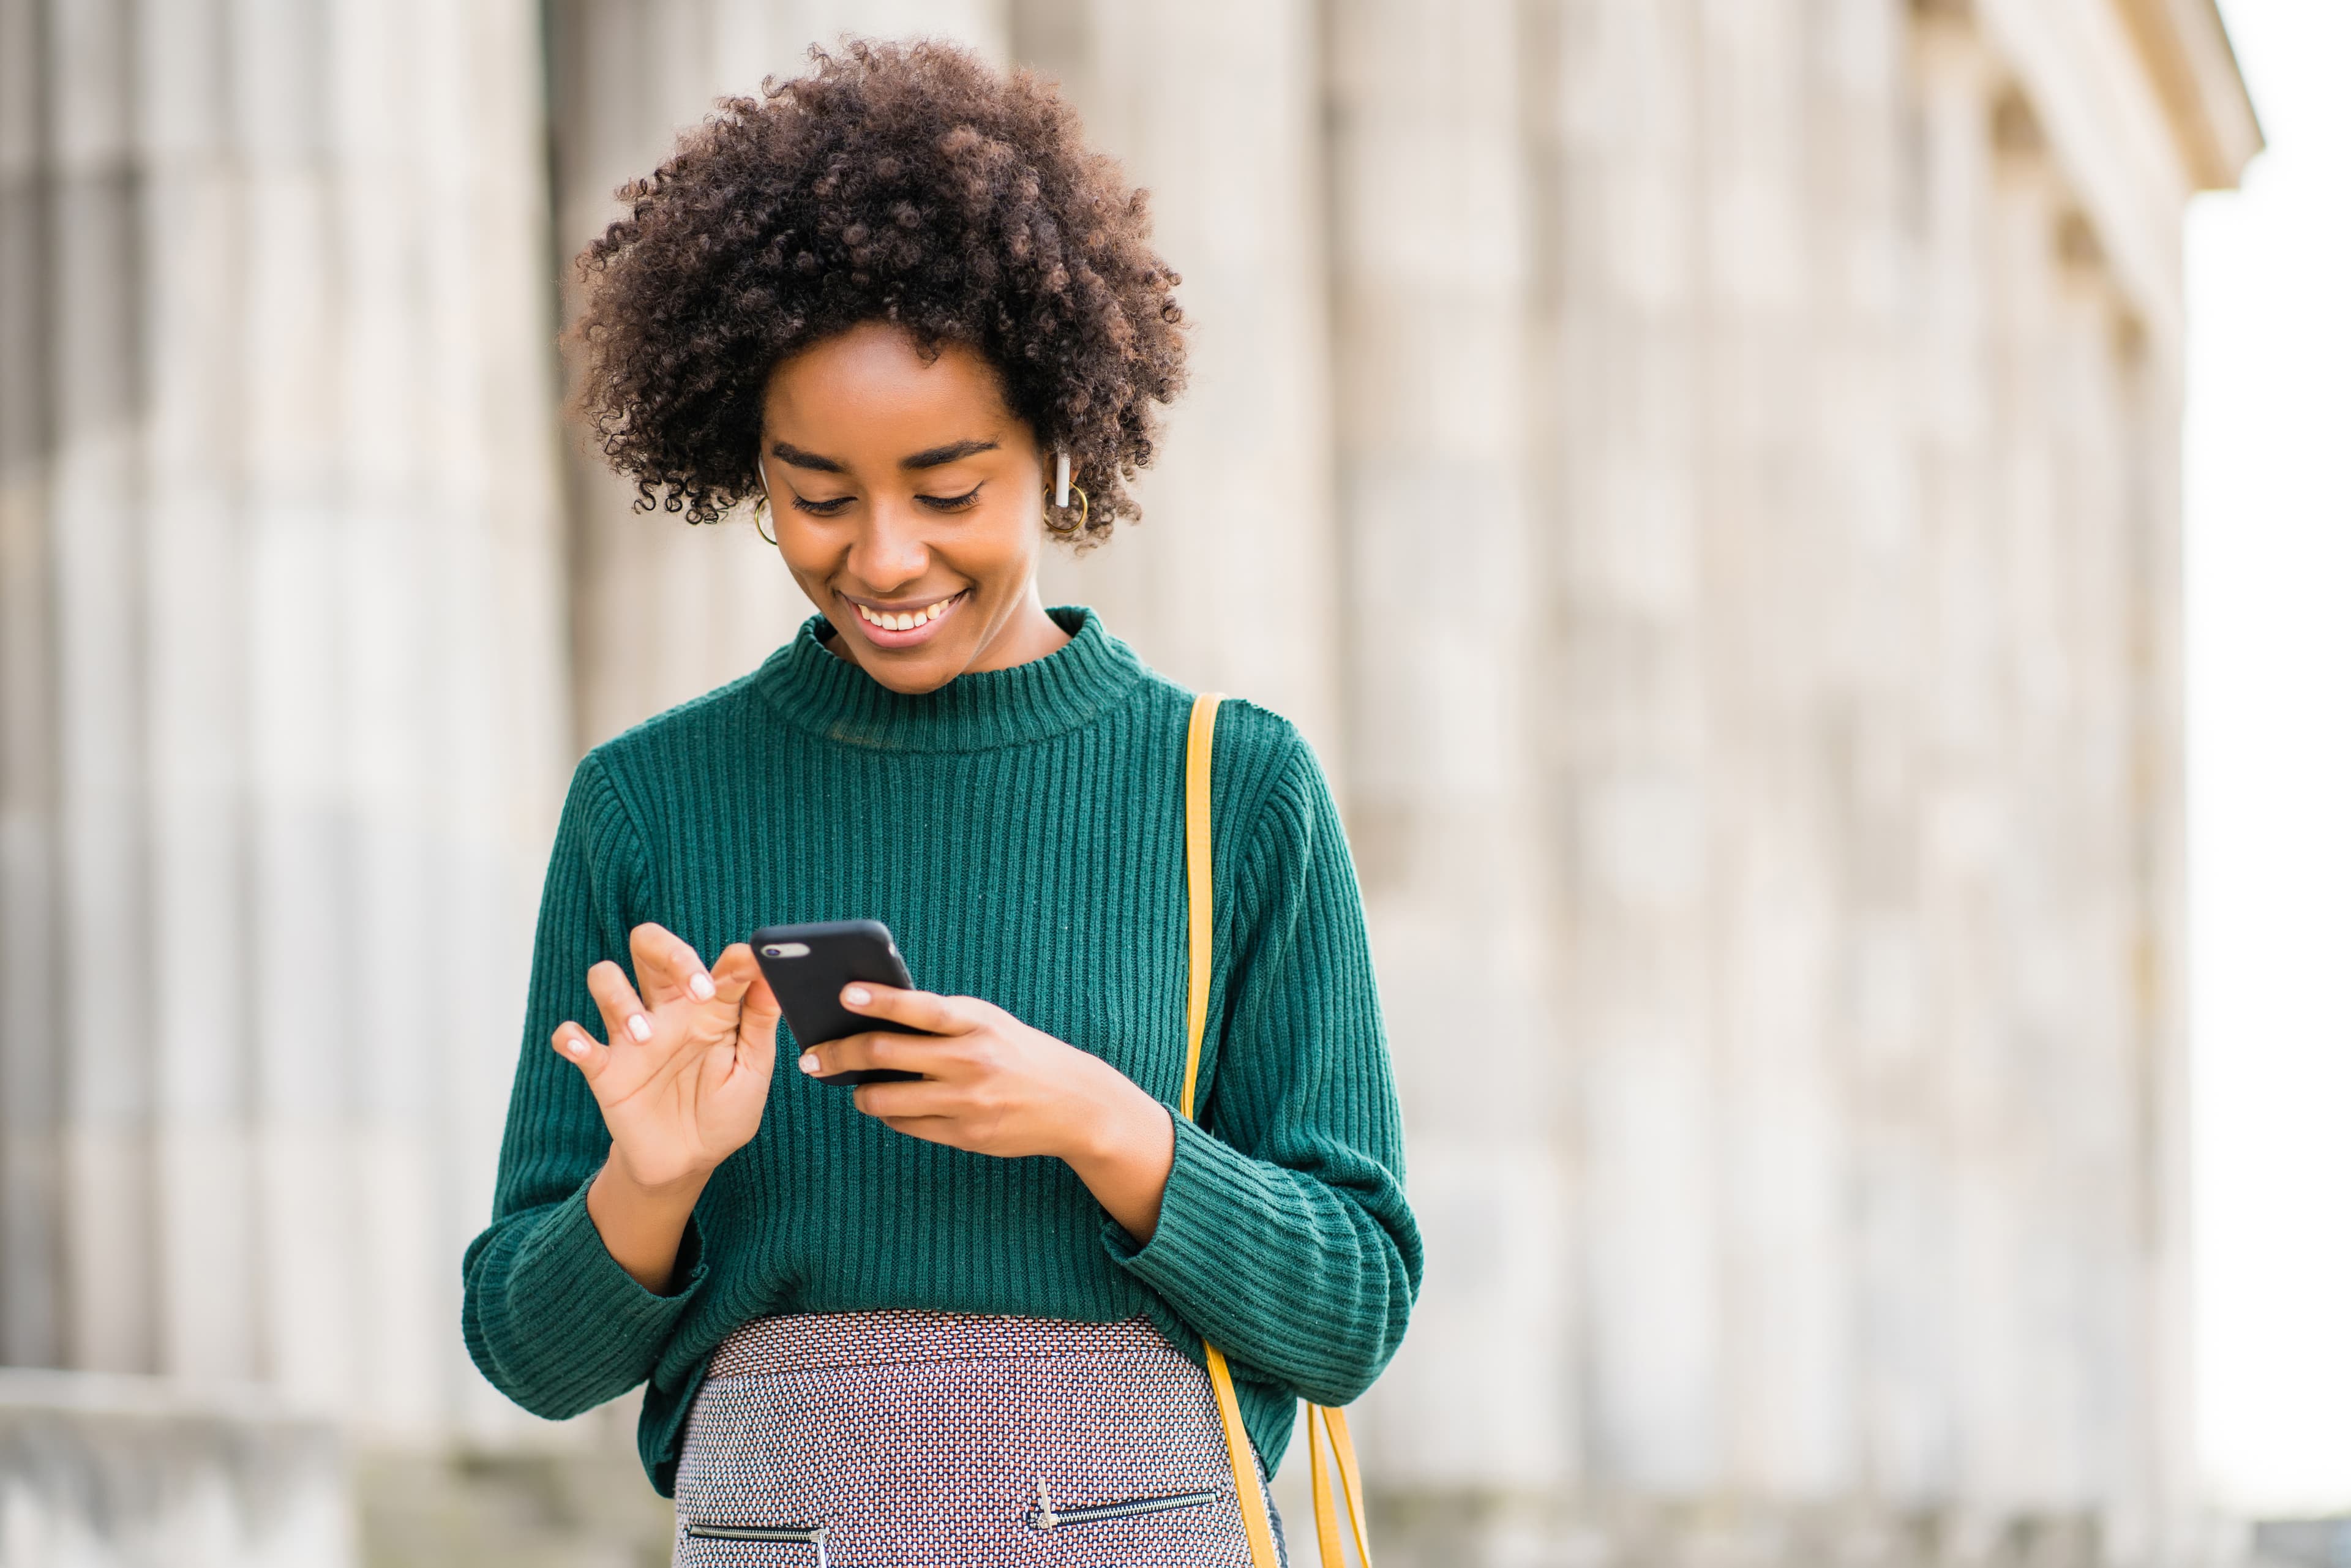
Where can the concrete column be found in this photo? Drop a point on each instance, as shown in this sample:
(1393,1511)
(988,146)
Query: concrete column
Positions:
(2041,1079)
(1430,251)
(1777,618)
(2063,1122)
(447,573)
(295,662)
(1627,727)
(1962,730)
(1231,580)
(2160,959)
(493,738)
(399,79)
(95,495)
(1873,376)
(32,1292)
(2110,1151)
(193,538)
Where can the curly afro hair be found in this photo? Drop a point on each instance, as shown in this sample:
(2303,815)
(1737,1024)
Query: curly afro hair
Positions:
(901,182)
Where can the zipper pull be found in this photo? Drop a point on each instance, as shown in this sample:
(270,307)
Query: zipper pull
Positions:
(1046,1518)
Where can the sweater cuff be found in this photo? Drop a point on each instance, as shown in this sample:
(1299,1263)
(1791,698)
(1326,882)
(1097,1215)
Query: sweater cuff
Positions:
(566,1293)
(1210,1187)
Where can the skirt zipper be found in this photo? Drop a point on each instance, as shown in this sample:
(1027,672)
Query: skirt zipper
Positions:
(1045,1516)
(786,1534)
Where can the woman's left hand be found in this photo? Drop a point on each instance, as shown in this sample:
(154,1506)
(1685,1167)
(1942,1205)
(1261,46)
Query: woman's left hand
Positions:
(994,1085)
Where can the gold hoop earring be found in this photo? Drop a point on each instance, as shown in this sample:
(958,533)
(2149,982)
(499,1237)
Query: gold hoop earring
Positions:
(1085,509)
(766,503)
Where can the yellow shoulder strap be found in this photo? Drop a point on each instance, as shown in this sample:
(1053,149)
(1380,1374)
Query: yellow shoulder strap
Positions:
(1199,882)
(1200,869)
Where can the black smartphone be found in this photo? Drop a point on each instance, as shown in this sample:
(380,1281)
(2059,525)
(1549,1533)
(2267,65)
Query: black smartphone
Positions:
(807,966)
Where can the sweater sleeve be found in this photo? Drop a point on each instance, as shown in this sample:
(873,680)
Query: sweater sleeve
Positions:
(550,1319)
(1284,1238)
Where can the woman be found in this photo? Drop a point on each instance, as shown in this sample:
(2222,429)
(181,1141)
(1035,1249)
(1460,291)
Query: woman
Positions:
(885,303)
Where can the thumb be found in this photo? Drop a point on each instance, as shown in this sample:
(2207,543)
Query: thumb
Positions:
(589,1055)
(760,1010)
(741,985)
(756,1036)
(734,976)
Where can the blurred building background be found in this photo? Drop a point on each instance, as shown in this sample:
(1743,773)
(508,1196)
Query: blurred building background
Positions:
(1766,411)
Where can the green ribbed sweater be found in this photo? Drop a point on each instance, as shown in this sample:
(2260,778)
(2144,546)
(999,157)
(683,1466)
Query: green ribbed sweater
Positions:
(1021,833)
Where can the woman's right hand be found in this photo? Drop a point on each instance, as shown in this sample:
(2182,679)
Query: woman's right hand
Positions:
(684,1079)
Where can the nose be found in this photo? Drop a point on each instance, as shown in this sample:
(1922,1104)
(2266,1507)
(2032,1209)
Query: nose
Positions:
(889,552)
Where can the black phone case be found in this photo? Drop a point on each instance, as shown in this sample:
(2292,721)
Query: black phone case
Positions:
(808,984)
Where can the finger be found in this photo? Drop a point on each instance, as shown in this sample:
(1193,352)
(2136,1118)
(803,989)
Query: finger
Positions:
(755,1029)
(624,1015)
(732,977)
(930,1129)
(903,1101)
(669,964)
(583,1050)
(653,955)
(857,1052)
(925,1010)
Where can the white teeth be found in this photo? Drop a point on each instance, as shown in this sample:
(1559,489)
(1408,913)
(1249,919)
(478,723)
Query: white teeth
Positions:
(907,620)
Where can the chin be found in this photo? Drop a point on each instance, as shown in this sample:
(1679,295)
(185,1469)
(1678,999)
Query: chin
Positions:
(912,675)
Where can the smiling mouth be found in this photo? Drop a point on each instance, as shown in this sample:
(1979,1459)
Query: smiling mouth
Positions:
(899,628)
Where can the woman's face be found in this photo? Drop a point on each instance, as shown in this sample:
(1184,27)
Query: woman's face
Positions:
(907,502)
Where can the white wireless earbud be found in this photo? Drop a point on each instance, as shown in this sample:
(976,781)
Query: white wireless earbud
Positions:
(1060,477)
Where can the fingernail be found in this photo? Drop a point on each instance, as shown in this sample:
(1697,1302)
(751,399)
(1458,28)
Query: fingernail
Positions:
(639,1026)
(857,995)
(574,1047)
(809,1062)
(702,987)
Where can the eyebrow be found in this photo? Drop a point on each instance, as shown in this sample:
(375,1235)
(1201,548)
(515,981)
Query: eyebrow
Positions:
(799,459)
(929,457)
(940,457)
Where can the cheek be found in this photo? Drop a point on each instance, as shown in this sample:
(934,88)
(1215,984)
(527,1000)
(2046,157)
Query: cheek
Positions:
(807,551)
(1000,546)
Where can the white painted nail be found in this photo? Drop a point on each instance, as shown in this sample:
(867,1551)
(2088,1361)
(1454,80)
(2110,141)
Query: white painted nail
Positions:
(574,1047)
(702,987)
(857,995)
(641,1027)
(809,1063)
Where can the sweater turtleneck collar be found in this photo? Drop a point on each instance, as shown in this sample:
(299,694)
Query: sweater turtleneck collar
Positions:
(826,695)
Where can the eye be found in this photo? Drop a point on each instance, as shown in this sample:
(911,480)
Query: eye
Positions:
(832,508)
(964,502)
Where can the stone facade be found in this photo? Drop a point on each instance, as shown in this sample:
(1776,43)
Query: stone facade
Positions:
(98,1472)
(1703,472)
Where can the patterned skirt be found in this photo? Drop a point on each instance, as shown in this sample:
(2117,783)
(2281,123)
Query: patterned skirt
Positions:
(906,1439)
